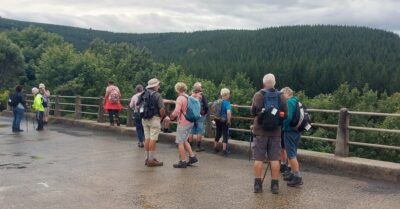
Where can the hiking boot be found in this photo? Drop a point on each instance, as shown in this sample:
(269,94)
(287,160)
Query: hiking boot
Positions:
(283,168)
(180,164)
(200,149)
(258,185)
(288,176)
(225,153)
(140,144)
(295,181)
(145,161)
(166,130)
(154,163)
(192,160)
(274,187)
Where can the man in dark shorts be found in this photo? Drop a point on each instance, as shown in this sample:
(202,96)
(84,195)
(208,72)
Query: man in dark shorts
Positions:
(267,144)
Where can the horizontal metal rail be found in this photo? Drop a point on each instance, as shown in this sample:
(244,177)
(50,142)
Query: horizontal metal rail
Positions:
(374,145)
(374,114)
(89,113)
(70,104)
(323,125)
(89,105)
(318,138)
(374,129)
(71,111)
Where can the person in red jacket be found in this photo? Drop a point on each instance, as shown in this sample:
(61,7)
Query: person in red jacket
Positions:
(112,103)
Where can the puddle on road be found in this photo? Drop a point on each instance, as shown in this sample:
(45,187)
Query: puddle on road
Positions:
(36,157)
(12,166)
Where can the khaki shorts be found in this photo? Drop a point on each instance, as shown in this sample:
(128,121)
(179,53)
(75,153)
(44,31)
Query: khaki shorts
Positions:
(152,128)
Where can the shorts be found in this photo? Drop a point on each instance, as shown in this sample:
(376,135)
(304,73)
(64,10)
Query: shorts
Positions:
(46,111)
(151,128)
(198,126)
(182,133)
(266,148)
(292,140)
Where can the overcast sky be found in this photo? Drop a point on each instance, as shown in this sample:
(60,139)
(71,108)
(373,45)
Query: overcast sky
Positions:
(191,15)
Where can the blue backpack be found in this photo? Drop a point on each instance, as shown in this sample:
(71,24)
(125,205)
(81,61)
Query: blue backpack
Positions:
(193,109)
(269,118)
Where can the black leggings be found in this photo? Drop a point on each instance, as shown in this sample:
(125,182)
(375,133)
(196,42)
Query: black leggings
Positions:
(111,114)
(222,130)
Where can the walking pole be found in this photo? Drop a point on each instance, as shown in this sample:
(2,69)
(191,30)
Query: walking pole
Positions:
(26,120)
(33,121)
(250,140)
(266,170)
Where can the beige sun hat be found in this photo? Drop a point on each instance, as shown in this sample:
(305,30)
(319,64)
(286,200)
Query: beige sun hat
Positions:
(152,83)
(41,86)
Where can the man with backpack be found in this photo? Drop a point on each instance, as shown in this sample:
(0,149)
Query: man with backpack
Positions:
(198,127)
(291,139)
(270,108)
(46,104)
(38,107)
(187,111)
(18,104)
(151,108)
(112,103)
(136,115)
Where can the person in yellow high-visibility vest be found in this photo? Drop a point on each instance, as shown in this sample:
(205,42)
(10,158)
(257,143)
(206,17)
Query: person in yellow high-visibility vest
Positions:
(38,107)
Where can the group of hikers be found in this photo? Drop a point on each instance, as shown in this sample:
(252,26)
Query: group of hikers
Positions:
(40,105)
(279,121)
(276,128)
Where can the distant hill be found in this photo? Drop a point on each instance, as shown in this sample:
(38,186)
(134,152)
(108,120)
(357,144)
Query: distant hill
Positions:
(311,58)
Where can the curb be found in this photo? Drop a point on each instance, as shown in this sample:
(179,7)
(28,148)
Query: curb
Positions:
(373,169)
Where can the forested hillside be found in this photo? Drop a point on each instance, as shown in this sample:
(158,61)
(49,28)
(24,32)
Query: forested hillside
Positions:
(316,59)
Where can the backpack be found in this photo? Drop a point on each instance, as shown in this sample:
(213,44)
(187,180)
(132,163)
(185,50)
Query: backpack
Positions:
(147,105)
(114,95)
(204,105)
(301,120)
(193,109)
(12,100)
(45,101)
(215,111)
(269,117)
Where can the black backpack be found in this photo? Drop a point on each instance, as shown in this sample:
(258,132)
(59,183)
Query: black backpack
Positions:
(12,100)
(204,104)
(301,120)
(269,117)
(147,105)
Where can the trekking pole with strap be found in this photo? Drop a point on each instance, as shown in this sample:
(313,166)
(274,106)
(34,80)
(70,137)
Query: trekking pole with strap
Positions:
(250,140)
(266,170)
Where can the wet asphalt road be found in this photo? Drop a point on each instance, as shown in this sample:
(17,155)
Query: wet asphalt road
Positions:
(70,167)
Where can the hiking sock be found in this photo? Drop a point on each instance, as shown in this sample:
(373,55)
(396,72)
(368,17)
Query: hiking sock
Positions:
(297,174)
(274,181)
(146,155)
(151,155)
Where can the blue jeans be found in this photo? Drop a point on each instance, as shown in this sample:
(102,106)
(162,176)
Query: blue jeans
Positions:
(139,129)
(39,119)
(18,115)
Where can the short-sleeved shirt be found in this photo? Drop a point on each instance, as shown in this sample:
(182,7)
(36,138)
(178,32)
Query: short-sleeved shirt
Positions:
(225,106)
(256,107)
(181,106)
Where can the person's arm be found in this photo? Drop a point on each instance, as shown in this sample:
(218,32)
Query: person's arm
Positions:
(161,106)
(178,108)
(229,114)
(133,102)
(23,102)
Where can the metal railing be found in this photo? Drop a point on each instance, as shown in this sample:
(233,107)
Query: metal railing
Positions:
(78,106)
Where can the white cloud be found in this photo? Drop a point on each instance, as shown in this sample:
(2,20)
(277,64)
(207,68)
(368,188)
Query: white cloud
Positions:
(190,15)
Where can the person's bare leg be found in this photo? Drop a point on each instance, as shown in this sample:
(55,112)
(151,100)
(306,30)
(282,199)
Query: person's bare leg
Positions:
(294,164)
(152,145)
(257,168)
(224,145)
(189,149)
(182,153)
(275,167)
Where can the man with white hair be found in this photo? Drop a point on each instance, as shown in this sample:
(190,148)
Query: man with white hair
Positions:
(46,97)
(270,108)
(38,107)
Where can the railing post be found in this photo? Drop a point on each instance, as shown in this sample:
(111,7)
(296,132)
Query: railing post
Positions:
(78,108)
(342,137)
(129,119)
(100,113)
(57,112)
(210,132)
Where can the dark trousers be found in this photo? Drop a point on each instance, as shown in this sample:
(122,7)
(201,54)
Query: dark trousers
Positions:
(18,114)
(222,130)
(39,119)
(139,129)
(111,114)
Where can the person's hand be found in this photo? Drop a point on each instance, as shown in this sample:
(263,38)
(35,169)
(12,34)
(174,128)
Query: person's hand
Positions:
(251,127)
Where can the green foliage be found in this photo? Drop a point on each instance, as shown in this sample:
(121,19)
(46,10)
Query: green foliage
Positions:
(11,63)
(3,99)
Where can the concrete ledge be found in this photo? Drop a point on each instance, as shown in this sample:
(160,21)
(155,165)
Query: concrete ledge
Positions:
(373,169)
